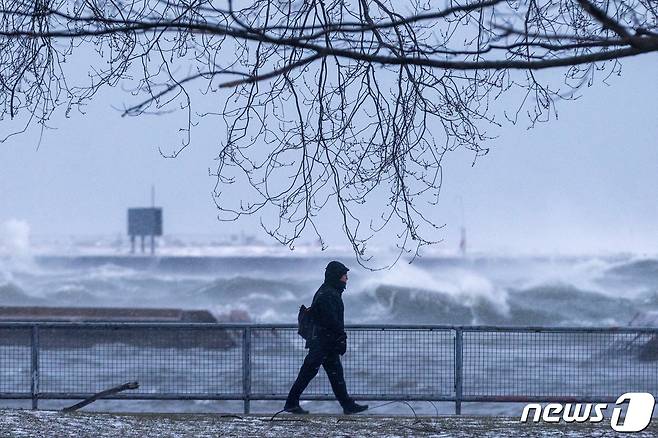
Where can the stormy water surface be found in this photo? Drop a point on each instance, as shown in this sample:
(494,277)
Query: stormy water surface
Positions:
(475,290)
(485,290)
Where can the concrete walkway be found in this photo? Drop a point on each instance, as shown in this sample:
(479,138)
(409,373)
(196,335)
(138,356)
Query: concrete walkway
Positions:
(21,423)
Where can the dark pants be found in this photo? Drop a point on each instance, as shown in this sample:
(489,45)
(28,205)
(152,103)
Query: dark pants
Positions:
(330,361)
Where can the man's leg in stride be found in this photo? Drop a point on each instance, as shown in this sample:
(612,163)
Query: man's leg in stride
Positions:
(309,369)
(334,370)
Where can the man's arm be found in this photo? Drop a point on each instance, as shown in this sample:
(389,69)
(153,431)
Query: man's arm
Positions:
(327,313)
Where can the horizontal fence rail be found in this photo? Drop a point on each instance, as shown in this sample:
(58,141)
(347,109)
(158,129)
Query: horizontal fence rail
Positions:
(246,362)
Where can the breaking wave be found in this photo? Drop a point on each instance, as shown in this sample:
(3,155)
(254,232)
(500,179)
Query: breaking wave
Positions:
(483,290)
(548,305)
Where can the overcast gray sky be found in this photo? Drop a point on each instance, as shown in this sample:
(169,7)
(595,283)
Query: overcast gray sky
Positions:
(587,182)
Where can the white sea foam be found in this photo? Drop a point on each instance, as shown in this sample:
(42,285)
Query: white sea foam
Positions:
(482,289)
(15,238)
(15,250)
(463,284)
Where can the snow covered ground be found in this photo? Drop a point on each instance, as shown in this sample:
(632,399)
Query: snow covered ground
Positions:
(22,423)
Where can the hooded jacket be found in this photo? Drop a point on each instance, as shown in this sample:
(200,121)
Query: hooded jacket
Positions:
(328,309)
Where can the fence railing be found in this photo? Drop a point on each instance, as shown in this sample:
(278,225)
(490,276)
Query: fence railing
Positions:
(384,362)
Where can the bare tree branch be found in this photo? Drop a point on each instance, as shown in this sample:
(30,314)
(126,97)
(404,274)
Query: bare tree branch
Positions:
(344,103)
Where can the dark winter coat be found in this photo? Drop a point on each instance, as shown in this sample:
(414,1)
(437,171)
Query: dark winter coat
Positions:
(328,310)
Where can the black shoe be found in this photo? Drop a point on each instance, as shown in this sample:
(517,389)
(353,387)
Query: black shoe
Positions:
(295,409)
(354,408)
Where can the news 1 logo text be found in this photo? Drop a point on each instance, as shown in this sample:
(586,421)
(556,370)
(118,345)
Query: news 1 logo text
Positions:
(637,416)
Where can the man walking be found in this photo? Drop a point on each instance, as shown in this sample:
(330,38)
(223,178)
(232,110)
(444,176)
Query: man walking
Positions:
(328,342)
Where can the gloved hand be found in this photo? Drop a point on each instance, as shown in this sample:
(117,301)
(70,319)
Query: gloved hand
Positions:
(341,344)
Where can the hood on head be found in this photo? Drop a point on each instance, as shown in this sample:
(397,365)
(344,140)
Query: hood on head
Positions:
(334,271)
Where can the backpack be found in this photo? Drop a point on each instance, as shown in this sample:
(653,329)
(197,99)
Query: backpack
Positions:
(305,322)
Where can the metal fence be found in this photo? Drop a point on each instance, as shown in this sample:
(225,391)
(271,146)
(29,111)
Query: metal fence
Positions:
(383,362)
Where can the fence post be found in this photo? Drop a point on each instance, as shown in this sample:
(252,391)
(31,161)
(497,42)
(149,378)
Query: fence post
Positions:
(34,368)
(459,350)
(246,368)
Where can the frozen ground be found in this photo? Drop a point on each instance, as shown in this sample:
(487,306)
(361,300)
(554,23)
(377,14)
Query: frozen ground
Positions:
(21,423)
